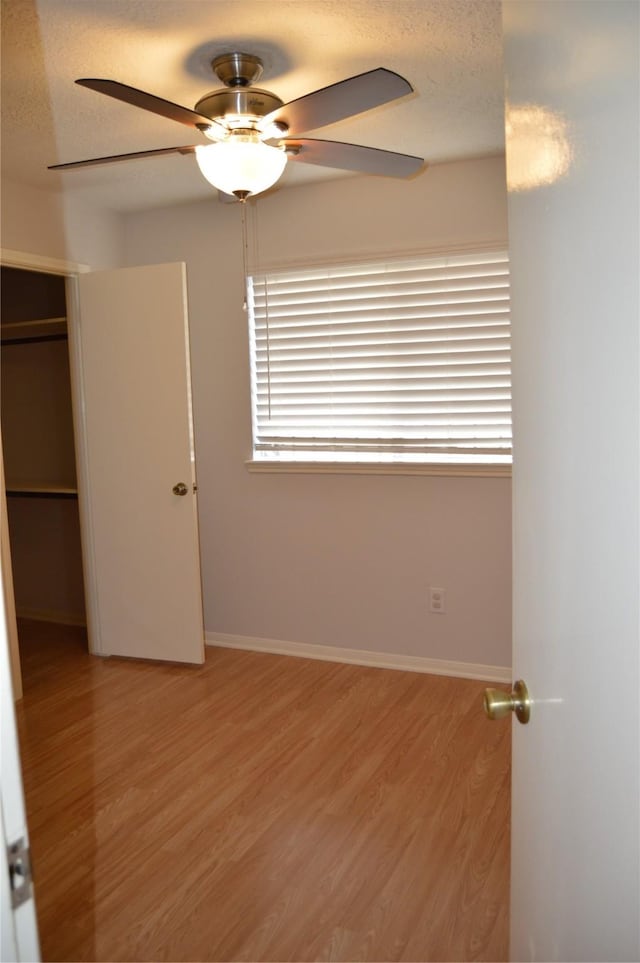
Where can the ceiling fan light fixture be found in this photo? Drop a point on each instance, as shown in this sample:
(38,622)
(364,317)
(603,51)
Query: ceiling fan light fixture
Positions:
(241,165)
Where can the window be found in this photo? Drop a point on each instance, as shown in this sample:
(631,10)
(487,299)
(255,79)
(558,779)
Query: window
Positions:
(387,361)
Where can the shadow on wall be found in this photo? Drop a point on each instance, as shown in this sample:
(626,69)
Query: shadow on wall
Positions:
(32,221)
(42,214)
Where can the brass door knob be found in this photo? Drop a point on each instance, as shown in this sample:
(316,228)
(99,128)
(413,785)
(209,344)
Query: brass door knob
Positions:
(180,489)
(499,704)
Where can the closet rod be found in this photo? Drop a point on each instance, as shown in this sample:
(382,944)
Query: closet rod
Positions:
(36,339)
(22,493)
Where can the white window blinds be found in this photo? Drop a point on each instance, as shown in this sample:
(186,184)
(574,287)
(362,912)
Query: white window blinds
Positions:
(402,360)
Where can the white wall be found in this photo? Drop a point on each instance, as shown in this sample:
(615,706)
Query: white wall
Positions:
(338,560)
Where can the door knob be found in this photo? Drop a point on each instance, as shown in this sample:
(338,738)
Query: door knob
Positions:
(180,489)
(499,704)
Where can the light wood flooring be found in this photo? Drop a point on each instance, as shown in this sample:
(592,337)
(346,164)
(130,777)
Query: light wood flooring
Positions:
(260,808)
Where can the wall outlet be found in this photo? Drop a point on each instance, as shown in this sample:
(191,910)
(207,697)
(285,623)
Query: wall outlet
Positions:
(437,598)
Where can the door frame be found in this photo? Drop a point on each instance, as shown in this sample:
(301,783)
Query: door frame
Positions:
(7,588)
(70,271)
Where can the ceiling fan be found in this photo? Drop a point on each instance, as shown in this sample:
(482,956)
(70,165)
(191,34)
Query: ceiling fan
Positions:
(254,133)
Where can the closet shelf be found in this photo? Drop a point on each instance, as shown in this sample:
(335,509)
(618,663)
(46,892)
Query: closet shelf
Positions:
(27,332)
(21,490)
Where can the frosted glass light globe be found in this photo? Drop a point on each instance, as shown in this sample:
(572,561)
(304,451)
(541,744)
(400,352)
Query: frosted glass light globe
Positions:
(241,165)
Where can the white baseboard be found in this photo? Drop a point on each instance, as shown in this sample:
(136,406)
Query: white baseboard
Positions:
(59,618)
(379,660)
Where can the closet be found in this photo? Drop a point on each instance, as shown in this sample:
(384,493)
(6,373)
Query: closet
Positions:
(38,448)
(126,366)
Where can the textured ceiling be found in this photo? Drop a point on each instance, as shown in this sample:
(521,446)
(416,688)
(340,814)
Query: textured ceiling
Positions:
(449,50)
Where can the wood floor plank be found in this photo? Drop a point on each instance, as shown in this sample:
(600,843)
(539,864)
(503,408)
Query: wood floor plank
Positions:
(260,808)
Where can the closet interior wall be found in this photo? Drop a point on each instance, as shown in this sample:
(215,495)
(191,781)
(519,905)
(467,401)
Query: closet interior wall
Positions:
(38,448)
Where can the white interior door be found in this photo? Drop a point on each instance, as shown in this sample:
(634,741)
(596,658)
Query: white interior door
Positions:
(142,538)
(573,168)
(18,927)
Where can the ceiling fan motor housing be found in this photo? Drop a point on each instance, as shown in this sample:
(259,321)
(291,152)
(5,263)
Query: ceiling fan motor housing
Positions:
(238,106)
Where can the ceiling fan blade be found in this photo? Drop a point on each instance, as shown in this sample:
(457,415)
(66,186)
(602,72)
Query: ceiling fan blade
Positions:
(344,99)
(352,157)
(95,161)
(157,105)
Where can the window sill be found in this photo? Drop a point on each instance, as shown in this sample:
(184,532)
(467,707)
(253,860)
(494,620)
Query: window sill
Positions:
(363,468)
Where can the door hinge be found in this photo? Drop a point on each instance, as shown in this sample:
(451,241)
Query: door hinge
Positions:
(20,877)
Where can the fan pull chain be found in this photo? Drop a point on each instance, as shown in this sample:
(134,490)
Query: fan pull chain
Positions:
(266,318)
(252,228)
(256,261)
(245,245)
